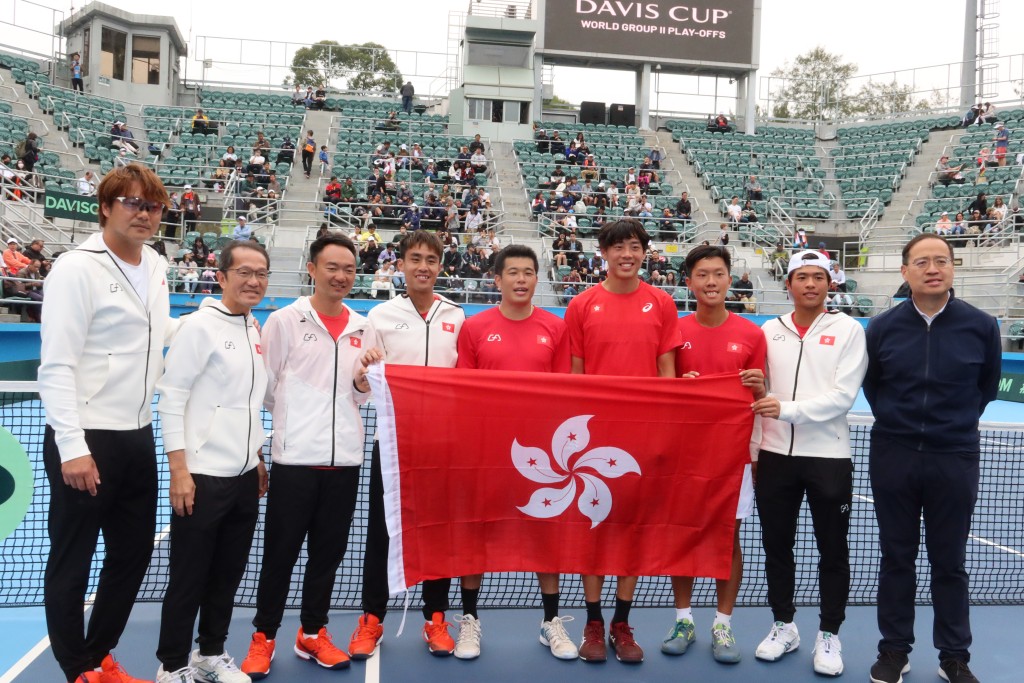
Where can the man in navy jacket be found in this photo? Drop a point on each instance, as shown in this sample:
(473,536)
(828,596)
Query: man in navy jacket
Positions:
(933,366)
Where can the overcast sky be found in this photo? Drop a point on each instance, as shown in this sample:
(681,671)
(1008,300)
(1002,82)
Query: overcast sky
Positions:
(877,35)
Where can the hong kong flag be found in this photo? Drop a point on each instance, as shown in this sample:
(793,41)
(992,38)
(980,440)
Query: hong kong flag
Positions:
(490,471)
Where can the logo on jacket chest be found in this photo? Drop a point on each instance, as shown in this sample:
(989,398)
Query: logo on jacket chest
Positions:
(827,340)
(115,288)
(309,337)
(229,345)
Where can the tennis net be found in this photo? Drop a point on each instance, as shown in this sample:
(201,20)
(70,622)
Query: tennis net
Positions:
(995,553)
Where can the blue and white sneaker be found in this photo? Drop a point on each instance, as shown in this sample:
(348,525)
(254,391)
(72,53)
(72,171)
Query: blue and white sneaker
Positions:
(781,640)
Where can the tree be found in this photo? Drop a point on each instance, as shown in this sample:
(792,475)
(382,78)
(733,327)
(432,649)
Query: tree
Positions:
(366,67)
(813,87)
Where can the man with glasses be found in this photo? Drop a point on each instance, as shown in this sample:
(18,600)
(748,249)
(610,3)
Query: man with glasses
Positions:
(312,349)
(211,396)
(933,366)
(108,319)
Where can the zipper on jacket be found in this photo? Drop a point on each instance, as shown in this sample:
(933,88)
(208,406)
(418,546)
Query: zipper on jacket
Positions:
(796,379)
(145,377)
(927,380)
(427,321)
(334,400)
(252,386)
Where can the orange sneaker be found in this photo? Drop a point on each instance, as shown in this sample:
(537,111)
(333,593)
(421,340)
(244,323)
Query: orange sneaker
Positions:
(320,650)
(261,653)
(364,641)
(435,632)
(112,672)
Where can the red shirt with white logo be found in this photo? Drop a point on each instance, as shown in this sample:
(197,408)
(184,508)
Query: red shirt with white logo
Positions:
(335,324)
(737,344)
(490,341)
(622,334)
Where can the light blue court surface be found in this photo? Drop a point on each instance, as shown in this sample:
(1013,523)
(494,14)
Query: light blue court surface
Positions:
(511,652)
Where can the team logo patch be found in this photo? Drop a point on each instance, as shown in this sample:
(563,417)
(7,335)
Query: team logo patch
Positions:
(544,339)
(597,308)
(647,307)
(356,342)
(734,347)
(493,337)
(827,341)
(309,337)
(114,288)
(448,327)
(229,345)
(402,326)
(686,345)
(779,337)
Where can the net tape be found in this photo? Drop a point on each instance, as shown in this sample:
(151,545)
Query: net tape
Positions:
(995,552)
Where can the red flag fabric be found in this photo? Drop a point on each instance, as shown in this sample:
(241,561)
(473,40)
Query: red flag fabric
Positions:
(489,471)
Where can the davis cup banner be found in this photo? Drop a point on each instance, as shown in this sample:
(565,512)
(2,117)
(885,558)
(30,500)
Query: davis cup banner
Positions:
(73,206)
(698,32)
(490,471)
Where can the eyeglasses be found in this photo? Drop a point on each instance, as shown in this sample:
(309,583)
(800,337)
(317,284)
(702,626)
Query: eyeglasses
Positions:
(248,273)
(136,204)
(939,261)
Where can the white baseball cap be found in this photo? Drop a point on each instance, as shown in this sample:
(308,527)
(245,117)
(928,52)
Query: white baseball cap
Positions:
(810,258)
(188,187)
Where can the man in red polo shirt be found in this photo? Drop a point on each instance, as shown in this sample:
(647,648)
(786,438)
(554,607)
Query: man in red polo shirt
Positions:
(515,336)
(627,328)
(716,341)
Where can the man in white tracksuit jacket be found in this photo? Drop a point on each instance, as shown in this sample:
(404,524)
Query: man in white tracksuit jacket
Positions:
(107,322)
(816,363)
(313,349)
(211,397)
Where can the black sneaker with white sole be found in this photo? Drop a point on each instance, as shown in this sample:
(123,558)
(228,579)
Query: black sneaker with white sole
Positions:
(956,671)
(890,667)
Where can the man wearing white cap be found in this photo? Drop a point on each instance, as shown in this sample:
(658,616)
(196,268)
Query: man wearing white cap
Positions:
(943,226)
(242,230)
(816,363)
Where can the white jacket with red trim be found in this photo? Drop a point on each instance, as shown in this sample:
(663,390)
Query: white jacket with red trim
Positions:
(310,392)
(816,380)
(407,338)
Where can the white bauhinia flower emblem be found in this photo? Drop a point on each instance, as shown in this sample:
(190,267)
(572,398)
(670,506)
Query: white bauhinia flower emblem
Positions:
(570,439)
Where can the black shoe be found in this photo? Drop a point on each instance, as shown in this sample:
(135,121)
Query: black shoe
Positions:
(890,667)
(956,671)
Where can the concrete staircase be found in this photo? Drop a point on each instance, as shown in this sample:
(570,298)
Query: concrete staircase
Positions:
(903,208)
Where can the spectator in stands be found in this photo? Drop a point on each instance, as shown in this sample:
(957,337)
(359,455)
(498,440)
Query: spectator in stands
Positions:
(543,144)
(473,265)
(188,272)
(388,254)
(382,280)
(319,97)
(734,212)
(229,157)
(242,230)
(723,235)
(1002,142)
(972,115)
(208,277)
(655,155)
(980,204)
(31,287)
(200,122)
(478,161)
(191,208)
(749,214)
(452,259)
(560,250)
(613,194)
(949,174)
(474,219)
(753,189)
(538,205)
(823,250)
(476,145)
(779,260)
(14,260)
(647,170)
(719,124)
(838,278)
(630,177)
(286,155)
(200,250)
(369,253)
(298,97)
(325,160)
(987,114)
(407,92)
(34,251)
(986,159)
(308,100)
(122,159)
(572,153)
(308,152)
(86,185)
(557,144)
(800,239)
(684,209)
(943,227)
(122,137)
(77,84)
(999,208)
(959,226)
(839,301)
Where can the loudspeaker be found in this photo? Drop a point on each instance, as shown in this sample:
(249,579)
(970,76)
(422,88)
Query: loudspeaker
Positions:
(592,112)
(622,115)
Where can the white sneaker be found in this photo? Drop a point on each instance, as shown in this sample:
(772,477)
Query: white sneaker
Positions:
(828,654)
(783,638)
(554,635)
(467,645)
(185,675)
(217,669)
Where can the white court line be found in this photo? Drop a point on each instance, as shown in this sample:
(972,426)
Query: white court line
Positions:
(43,645)
(372,667)
(978,539)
